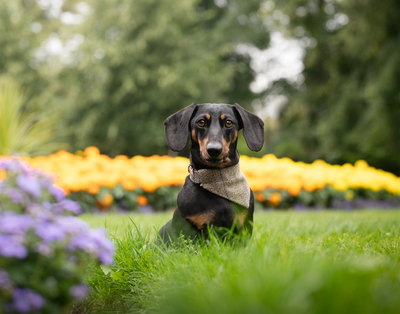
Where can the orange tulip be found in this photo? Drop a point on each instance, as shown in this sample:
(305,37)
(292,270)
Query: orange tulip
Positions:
(128,185)
(260,197)
(275,199)
(89,170)
(93,189)
(142,200)
(91,151)
(106,201)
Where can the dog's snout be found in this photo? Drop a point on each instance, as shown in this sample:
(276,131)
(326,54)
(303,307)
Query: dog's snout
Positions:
(214,149)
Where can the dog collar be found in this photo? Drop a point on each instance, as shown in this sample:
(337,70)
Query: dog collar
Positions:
(194,175)
(229,183)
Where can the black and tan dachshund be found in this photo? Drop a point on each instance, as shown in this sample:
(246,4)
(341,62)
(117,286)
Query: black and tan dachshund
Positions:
(215,193)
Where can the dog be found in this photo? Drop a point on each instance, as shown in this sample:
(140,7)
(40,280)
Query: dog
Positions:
(216,193)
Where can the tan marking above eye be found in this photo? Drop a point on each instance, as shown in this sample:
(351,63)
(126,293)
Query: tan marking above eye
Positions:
(223,117)
(208,116)
(228,123)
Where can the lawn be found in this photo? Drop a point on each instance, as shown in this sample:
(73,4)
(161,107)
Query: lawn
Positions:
(118,224)
(296,262)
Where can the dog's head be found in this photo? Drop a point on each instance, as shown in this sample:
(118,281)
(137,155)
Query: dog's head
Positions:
(213,130)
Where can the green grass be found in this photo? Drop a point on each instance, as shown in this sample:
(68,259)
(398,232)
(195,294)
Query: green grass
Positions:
(296,262)
(119,224)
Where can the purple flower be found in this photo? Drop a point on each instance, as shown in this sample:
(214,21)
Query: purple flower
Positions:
(105,247)
(146,209)
(94,242)
(79,292)
(5,281)
(30,185)
(67,205)
(72,225)
(43,249)
(50,232)
(10,246)
(14,224)
(26,300)
(16,196)
(106,258)
(47,205)
(82,242)
(5,164)
(45,182)
(57,192)
(36,210)
(12,164)
(38,173)
(99,237)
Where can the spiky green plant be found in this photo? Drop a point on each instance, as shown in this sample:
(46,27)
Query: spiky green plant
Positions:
(25,128)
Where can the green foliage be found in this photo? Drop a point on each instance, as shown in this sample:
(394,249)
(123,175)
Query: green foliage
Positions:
(139,62)
(164,199)
(143,60)
(349,109)
(331,262)
(112,282)
(161,199)
(24,128)
(24,26)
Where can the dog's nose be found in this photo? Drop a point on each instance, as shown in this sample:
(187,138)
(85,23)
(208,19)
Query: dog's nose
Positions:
(214,149)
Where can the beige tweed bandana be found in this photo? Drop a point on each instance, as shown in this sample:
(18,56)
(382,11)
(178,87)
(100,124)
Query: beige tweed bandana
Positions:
(229,183)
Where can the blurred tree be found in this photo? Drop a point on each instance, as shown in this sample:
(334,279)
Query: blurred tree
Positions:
(350,108)
(23,27)
(143,60)
(28,125)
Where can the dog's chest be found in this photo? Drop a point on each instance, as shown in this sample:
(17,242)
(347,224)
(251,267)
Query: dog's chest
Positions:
(201,207)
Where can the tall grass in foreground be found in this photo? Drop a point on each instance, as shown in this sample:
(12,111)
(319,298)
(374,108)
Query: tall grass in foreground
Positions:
(316,262)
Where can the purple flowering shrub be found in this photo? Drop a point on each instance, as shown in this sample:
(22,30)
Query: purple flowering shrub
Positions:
(44,249)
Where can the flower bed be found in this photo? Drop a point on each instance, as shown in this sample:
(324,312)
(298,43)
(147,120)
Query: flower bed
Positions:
(44,249)
(98,181)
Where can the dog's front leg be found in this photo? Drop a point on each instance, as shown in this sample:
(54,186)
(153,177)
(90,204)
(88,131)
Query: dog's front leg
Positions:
(173,229)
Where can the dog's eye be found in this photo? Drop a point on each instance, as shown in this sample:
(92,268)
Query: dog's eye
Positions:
(201,123)
(228,123)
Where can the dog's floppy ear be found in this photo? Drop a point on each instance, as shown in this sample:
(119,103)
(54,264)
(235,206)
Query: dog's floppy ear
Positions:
(177,128)
(253,128)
